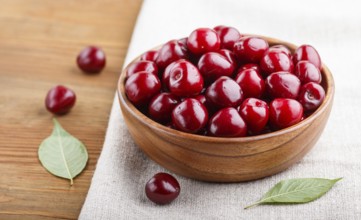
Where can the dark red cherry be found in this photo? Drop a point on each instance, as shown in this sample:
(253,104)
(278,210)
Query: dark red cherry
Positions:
(141,87)
(307,72)
(161,106)
(311,96)
(283,85)
(60,100)
(250,49)
(255,113)
(166,76)
(190,116)
(91,59)
(251,82)
(249,66)
(185,79)
(281,49)
(228,36)
(224,92)
(150,55)
(229,55)
(285,112)
(201,98)
(162,188)
(213,65)
(203,40)
(308,53)
(170,52)
(275,61)
(144,65)
(227,123)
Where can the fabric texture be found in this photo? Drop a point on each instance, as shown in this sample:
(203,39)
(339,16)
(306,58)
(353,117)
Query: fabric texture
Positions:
(333,28)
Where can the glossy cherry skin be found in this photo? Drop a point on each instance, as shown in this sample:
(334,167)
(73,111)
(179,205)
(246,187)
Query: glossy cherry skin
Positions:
(162,188)
(184,79)
(255,113)
(161,106)
(307,72)
(308,53)
(60,100)
(213,65)
(144,65)
(228,36)
(281,49)
(141,87)
(285,112)
(227,123)
(150,55)
(224,92)
(203,40)
(251,82)
(311,96)
(190,116)
(250,49)
(283,85)
(170,52)
(249,66)
(91,59)
(275,61)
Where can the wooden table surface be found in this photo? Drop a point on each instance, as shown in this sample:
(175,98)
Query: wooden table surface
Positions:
(39,41)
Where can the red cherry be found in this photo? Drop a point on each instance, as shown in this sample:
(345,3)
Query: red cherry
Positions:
(281,49)
(308,53)
(250,49)
(147,66)
(228,36)
(150,55)
(161,106)
(224,92)
(190,116)
(162,188)
(285,112)
(201,98)
(141,87)
(185,79)
(227,123)
(213,65)
(60,100)
(91,59)
(255,112)
(283,85)
(311,96)
(274,61)
(251,82)
(307,72)
(229,55)
(203,40)
(249,66)
(170,52)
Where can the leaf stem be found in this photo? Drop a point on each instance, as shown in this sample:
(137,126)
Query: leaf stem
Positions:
(253,205)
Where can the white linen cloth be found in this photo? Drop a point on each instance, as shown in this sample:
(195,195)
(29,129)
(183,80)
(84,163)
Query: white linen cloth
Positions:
(333,28)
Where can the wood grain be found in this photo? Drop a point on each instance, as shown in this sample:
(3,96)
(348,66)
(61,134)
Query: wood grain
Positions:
(39,41)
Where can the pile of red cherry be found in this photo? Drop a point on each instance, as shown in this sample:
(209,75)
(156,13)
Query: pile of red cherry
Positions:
(218,82)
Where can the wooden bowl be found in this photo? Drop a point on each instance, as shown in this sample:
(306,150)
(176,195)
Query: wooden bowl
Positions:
(217,159)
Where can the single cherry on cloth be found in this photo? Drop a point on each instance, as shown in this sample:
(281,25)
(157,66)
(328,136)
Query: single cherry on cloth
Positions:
(162,188)
(227,123)
(228,36)
(190,116)
(161,106)
(91,59)
(171,51)
(307,72)
(184,79)
(203,40)
(283,85)
(143,65)
(224,92)
(311,96)
(251,82)
(141,87)
(213,65)
(60,100)
(285,112)
(308,53)
(149,55)
(255,112)
(275,61)
(250,49)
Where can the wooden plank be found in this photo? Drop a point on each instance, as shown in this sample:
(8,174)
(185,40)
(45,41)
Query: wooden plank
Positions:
(39,41)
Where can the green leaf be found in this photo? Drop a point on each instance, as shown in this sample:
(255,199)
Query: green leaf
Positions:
(296,191)
(62,154)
